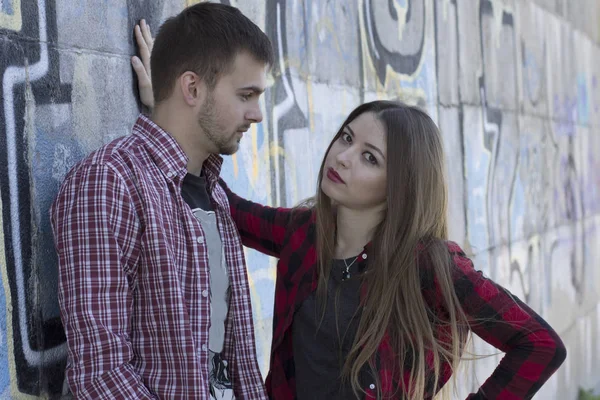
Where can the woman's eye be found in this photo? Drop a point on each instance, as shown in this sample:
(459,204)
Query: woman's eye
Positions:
(370,158)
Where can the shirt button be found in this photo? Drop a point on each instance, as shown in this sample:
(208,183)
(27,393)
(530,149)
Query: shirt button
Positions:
(200,239)
(204,348)
(205,293)
(372,386)
(364,256)
(170,174)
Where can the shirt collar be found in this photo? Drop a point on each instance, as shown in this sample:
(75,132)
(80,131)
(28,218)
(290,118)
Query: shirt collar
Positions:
(163,148)
(211,170)
(169,156)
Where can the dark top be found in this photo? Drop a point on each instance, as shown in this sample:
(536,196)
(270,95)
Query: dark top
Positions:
(322,345)
(194,192)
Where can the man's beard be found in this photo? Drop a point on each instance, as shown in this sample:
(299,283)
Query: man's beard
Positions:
(207,119)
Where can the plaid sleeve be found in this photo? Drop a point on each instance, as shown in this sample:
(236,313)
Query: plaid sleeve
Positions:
(95,231)
(261,227)
(533,349)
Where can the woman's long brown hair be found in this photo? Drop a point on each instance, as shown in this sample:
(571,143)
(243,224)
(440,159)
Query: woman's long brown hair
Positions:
(415,218)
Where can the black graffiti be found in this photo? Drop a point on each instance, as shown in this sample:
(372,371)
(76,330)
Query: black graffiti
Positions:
(493,115)
(524,273)
(406,54)
(574,210)
(280,92)
(45,333)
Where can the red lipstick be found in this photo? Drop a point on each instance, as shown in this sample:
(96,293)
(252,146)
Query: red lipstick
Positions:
(334,176)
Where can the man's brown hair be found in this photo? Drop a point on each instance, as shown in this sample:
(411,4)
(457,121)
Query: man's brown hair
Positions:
(204,38)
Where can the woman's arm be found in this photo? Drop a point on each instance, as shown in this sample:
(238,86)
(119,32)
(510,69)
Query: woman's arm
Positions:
(533,349)
(261,227)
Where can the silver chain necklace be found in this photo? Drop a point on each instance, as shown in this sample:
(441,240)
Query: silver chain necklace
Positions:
(346,272)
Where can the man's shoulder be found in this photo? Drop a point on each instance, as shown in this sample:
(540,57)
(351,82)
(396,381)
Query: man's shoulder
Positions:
(121,155)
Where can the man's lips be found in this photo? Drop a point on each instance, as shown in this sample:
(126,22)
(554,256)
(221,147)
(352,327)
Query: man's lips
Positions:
(334,176)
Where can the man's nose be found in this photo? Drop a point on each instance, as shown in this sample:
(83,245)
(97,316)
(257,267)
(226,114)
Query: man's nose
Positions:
(255,115)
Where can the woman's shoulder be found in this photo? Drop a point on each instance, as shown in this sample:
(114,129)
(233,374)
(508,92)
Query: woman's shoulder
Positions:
(454,248)
(446,263)
(426,248)
(437,251)
(301,216)
(460,261)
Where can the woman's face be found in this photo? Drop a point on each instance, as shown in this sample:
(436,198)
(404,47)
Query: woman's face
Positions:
(355,167)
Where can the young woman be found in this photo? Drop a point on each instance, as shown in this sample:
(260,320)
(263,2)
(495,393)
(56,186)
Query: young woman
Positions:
(371,299)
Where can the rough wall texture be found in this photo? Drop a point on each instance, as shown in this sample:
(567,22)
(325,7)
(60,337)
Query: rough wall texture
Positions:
(513,85)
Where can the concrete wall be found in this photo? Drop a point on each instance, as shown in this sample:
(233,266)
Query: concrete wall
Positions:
(513,85)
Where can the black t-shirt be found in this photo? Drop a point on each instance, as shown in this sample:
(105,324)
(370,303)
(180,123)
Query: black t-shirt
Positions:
(320,350)
(194,192)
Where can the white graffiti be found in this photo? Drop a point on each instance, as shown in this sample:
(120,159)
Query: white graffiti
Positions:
(286,105)
(13,77)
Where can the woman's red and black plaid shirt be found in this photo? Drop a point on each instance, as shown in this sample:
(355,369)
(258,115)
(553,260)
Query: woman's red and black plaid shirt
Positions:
(533,350)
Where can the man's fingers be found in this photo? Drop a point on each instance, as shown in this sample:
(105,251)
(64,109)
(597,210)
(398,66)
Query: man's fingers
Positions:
(144,83)
(141,63)
(143,47)
(147,35)
(138,36)
(140,71)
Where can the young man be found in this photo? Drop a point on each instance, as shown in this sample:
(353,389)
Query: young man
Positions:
(153,288)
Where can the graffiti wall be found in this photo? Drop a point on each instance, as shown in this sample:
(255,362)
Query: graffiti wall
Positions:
(512,84)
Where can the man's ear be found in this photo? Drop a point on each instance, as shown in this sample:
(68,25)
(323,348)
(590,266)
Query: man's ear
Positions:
(192,88)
